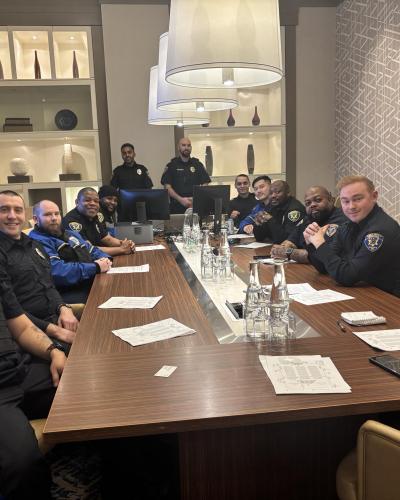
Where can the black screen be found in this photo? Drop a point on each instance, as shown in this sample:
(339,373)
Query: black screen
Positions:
(204,199)
(156,201)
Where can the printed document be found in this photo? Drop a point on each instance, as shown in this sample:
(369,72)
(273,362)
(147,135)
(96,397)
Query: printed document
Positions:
(130,302)
(255,244)
(129,269)
(149,247)
(387,340)
(320,297)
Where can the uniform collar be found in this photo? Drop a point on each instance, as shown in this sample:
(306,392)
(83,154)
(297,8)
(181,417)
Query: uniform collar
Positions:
(7,243)
(365,221)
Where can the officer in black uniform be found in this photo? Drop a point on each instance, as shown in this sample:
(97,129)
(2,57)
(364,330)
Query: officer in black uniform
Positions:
(180,175)
(242,205)
(281,215)
(89,222)
(130,175)
(366,248)
(108,198)
(320,207)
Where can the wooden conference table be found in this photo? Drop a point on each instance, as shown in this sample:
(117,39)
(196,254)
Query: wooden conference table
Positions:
(237,439)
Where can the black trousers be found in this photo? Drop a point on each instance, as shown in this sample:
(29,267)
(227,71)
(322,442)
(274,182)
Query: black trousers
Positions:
(24,472)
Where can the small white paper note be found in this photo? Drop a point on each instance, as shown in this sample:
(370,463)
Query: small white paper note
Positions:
(270,260)
(165,371)
(387,340)
(129,269)
(153,332)
(149,247)
(320,297)
(130,303)
(239,236)
(255,244)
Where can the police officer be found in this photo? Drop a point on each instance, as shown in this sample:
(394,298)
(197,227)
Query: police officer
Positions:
(281,215)
(87,220)
(366,247)
(320,207)
(180,175)
(108,198)
(130,175)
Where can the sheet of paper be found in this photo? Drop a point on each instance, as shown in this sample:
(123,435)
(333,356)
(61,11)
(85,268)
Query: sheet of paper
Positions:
(255,244)
(165,371)
(145,248)
(270,260)
(153,332)
(320,297)
(303,375)
(130,303)
(296,288)
(239,236)
(387,340)
(129,269)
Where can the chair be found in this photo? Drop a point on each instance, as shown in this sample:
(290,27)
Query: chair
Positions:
(38,426)
(371,472)
(77,309)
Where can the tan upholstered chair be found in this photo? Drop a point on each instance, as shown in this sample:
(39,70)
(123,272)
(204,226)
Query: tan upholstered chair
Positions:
(38,426)
(372,471)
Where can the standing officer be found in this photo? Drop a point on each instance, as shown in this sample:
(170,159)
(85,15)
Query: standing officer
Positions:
(180,175)
(366,247)
(130,175)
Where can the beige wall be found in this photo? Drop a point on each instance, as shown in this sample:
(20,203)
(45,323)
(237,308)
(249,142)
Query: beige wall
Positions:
(131,34)
(315,96)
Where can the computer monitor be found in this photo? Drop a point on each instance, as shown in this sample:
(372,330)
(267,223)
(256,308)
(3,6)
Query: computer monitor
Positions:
(211,200)
(143,204)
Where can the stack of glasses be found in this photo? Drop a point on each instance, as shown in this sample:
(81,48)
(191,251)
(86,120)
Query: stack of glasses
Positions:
(216,263)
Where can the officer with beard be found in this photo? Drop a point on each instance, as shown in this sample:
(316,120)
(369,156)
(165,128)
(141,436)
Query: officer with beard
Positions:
(320,208)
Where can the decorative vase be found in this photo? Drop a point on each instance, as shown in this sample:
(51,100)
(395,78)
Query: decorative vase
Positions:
(75,68)
(209,160)
(256,119)
(38,74)
(1,72)
(231,121)
(250,159)
(19,166)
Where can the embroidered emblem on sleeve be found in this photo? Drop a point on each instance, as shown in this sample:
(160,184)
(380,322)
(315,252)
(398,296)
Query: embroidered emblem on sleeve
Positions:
(294,215)
(332,228)
(373,241)
(75,226)
(100,217)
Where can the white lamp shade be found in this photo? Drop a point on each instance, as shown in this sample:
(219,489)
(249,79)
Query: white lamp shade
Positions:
(177,98)
(157,117)
(210,38)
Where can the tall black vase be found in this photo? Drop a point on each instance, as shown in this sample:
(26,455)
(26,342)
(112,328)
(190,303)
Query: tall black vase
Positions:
(209,161)
(250,159)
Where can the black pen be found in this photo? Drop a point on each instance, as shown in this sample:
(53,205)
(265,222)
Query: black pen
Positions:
(341,325)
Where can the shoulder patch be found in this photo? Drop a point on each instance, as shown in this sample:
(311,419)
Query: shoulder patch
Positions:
(294,215)
(100,216)
(373,241)
(332,228)
(75,226)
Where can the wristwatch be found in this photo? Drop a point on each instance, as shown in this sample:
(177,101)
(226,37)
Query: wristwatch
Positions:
(54,345)
(62,305)
(289,252)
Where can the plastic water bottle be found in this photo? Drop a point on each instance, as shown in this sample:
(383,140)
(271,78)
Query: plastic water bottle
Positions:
(254,315)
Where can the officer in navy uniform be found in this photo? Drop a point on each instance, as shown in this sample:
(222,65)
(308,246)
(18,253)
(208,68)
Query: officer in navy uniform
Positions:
(130,175)
(281,215)
(320,208)
(366,247)
(180,175)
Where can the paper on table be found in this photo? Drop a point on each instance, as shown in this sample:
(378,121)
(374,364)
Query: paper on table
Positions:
(270,260)
(153,332)
(165,371)
(255,244)
(130,303)
(387,340)
(321,297)
(239,236)
(129,269)
(303,375)
(149,247)
(296,288)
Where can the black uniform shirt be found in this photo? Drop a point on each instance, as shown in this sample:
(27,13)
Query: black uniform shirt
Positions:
(28,273)
(368,251)
(285,218)
(92,230)
(242,205)
(131,177)
(182,176)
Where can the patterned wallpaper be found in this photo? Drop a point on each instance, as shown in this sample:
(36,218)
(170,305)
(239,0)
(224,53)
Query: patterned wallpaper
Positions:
(368,95)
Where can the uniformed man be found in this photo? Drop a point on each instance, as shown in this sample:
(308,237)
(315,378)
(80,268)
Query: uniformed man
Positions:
(89,222)
(242,205)
(320,208)
(262,187)
(74,261)
(28,273)
(130,175)
(180,175)
(366,248)
(108,198)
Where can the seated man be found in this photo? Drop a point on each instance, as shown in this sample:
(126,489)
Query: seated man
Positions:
(241,206)
(108,198)
(261,186)
(27,388)
(366,247)
(89,222)
(74,261)
(320,208)
(27,270)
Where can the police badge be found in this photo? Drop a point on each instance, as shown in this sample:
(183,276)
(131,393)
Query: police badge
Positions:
(193,169)
(373,241)
(139,171)
(100,217)
(294,216)
(332,228)
(75,226)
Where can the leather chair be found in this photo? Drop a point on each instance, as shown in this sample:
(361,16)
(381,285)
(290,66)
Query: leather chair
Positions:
(372,471)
